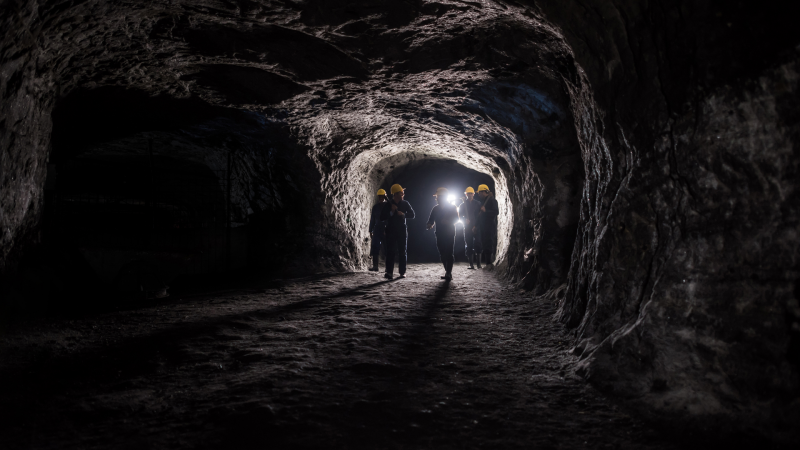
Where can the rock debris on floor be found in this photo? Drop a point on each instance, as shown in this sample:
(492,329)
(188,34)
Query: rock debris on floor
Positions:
(332,361)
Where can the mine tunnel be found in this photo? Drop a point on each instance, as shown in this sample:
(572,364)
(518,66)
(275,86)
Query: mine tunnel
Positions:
(187,188)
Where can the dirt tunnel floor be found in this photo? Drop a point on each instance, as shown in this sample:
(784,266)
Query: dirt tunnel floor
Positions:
(340,361)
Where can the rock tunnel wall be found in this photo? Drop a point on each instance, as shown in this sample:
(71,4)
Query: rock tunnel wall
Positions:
(683,282)
(643,129)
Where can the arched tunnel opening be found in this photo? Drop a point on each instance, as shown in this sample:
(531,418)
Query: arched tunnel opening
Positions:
(187,188)
(421,178)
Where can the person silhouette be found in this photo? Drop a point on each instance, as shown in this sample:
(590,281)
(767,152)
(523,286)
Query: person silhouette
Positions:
(395,212)
(444,217)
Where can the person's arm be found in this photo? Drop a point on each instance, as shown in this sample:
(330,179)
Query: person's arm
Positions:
(372,219)
(478,215)
(386,212)
(492,207)
(431,219)
(410,212)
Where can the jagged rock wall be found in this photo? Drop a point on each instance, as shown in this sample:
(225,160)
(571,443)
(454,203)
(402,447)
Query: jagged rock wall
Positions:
(25,132)
(683,281)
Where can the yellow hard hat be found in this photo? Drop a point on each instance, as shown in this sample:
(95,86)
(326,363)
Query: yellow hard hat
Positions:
(397,188)
(483,187)
(440,191)
(469,190)
(381,192)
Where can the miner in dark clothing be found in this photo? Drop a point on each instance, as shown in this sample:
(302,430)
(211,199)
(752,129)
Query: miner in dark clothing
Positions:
(468,211)
(377,229)
(444,216)
(487,222)
(395,212)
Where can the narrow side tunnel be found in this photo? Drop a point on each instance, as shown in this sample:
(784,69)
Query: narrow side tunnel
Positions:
(149,192)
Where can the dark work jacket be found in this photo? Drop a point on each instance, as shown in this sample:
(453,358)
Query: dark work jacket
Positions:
(488,220)
(444,216)
(375,221)
(396,221)
(469,210)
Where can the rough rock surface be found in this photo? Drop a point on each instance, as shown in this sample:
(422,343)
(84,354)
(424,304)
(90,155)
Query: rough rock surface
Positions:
(683,286)
(664,134)
(344,361)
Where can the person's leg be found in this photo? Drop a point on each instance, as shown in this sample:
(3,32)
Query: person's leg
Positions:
(391,248)
(402,250)
(449,245)
(375,251)
(478,247)
(494,245)
(441,247)
(486,239)
(468,243)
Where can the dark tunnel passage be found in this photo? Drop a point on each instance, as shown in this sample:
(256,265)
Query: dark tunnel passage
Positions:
(200,175)
(144,194)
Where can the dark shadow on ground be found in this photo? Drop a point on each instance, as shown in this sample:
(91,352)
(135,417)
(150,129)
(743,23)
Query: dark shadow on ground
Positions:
(367,423)
(35,385)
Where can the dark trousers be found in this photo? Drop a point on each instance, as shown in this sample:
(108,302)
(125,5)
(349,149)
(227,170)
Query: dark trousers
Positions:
(396,247)
(487,242)
(472,242)
(377,238)
(445,244)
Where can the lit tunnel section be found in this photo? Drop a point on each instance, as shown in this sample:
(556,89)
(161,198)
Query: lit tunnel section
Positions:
(421,173)
(421,178)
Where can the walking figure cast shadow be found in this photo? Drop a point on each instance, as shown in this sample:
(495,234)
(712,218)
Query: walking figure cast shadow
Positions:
(478,213)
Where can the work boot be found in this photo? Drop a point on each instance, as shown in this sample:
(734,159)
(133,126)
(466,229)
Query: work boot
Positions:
(471,259)
(478,258)
(448,276)
(388,276)
(402,275)
(374,264)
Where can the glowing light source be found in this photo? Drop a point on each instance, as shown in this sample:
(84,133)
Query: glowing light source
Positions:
(451,199)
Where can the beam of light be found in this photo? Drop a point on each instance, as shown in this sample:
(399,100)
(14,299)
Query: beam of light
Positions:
(451,199)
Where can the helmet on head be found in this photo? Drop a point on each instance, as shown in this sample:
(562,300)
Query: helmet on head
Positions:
(469,190)
(381,192)
(396,188)
(483,187)
(440,191)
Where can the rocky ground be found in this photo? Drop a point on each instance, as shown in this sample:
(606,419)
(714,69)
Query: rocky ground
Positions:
(333,361)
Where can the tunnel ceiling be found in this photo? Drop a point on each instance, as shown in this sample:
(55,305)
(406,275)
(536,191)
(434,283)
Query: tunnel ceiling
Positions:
(442,76)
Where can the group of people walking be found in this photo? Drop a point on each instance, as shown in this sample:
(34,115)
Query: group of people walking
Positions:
(478,213)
